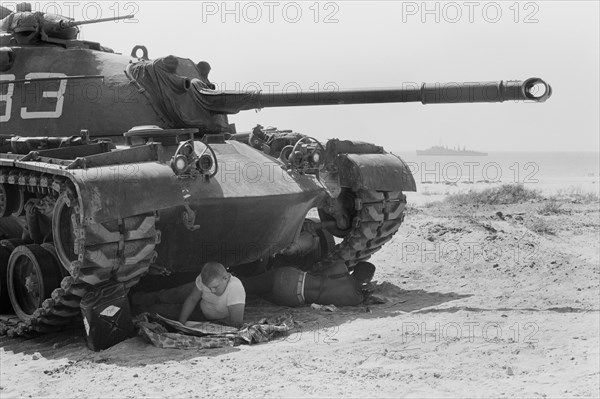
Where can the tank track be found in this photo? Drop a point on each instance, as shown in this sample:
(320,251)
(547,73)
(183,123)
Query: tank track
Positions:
(119,250)
(379,215)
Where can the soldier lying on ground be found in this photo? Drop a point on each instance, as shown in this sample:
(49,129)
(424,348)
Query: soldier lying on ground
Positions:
(221,297)
(289,286)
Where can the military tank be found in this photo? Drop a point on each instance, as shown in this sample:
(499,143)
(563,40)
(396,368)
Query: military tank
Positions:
(116,167)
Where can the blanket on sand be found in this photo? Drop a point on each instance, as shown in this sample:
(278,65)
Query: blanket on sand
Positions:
(166,333)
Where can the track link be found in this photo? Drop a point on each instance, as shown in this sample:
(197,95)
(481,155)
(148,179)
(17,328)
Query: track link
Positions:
(119,250)
(379,215)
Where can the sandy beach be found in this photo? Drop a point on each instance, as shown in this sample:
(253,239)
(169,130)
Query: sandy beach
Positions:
(482,300)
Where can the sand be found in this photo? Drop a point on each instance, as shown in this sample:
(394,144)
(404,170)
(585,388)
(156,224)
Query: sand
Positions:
(480,304)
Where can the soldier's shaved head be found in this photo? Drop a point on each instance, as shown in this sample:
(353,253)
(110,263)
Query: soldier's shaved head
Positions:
(212,271)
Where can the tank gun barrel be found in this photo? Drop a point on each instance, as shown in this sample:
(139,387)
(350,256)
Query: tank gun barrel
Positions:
(70,24)
(533,89)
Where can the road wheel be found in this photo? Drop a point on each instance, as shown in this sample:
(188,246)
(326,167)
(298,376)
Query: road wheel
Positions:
(32,276)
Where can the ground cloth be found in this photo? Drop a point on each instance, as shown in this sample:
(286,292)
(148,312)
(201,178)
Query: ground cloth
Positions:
(166,333)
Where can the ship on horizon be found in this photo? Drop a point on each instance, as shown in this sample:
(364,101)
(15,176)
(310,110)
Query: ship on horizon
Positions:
(443,150)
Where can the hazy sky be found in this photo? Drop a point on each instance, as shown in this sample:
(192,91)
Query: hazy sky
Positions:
(355,44)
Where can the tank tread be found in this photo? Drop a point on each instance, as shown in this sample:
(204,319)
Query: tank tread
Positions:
(120,250)
(378,217)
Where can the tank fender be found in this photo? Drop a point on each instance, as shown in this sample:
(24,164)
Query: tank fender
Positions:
(112,192)
(380,172)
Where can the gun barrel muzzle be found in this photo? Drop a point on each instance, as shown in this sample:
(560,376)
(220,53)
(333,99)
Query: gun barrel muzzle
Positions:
(532,89)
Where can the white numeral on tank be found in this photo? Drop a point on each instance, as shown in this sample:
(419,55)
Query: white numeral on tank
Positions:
(6,96)
(58,94)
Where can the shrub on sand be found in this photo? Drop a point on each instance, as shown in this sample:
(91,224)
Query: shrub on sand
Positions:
(552,207)
(504,194)
(539,226)
(432,204)
(411,209)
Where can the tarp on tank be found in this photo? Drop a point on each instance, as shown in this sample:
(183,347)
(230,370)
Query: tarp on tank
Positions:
(184,97)
(27,21)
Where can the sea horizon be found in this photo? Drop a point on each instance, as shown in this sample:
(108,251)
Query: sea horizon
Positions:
(504,151)
(550,172)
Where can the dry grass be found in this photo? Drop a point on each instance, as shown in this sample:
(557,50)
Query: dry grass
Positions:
(577,195)
(432,204)
(552,207)
(411,209)
(539,226)
(505,194)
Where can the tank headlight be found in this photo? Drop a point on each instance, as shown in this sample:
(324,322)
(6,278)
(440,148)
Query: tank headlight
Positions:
(180,163)
(316,157)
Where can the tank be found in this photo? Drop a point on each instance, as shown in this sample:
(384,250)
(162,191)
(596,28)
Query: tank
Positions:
(124,169)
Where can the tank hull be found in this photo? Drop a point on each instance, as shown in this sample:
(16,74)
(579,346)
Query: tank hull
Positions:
(127,212)
(250,210)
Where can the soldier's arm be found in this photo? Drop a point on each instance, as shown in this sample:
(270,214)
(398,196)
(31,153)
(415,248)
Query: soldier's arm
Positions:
(236,315)
(189,305)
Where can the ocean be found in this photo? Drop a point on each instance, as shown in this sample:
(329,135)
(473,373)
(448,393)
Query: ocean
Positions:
(549,172)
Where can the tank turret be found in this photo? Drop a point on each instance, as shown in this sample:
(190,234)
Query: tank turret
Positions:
(30,27)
